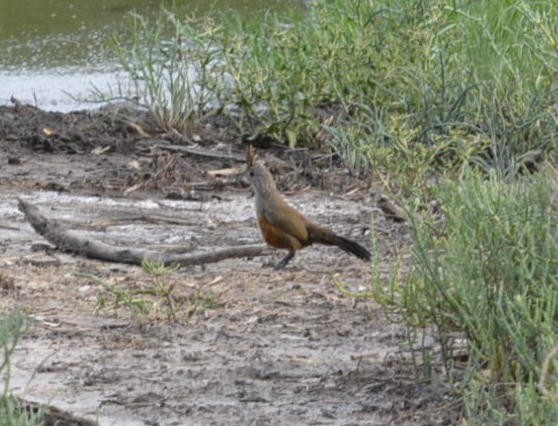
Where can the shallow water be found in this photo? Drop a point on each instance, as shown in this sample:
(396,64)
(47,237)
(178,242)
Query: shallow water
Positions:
(52,52)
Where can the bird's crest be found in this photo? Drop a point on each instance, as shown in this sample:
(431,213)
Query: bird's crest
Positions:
(251,156)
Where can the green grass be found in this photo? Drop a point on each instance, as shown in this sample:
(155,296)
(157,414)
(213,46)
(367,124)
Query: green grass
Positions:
(463,82)
(488,272)
(172,64)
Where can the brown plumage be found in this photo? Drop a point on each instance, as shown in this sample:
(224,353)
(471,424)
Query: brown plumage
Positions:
(284,227)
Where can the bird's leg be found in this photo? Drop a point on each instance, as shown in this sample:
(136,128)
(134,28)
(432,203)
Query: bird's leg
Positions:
(283,262)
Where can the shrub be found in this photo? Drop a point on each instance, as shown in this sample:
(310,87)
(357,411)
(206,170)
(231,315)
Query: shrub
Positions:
(489,273)
(172,64)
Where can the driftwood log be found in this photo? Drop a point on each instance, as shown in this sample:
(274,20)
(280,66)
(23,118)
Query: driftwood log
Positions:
(69,242)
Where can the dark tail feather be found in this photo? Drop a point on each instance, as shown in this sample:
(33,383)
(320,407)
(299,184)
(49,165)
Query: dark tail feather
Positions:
(352,247)
(325,236)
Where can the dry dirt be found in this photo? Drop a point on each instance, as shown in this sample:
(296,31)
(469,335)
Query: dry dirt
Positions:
(241,343)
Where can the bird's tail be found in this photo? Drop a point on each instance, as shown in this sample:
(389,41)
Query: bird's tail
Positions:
(321,235)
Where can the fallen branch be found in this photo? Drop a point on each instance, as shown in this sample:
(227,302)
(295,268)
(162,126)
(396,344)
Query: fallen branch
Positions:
(200,152)
(67,241)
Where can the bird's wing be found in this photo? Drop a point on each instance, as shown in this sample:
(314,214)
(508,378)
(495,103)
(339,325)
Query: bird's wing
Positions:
(287,219)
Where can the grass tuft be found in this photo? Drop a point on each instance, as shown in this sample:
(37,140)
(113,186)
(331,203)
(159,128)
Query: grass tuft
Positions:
(171,63)
(160,299)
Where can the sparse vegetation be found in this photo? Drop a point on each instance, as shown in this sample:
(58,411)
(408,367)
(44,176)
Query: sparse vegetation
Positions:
(158,300)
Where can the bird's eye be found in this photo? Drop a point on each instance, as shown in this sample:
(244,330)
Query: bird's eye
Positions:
(251,173)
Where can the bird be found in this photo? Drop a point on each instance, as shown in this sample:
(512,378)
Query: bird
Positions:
(284,227)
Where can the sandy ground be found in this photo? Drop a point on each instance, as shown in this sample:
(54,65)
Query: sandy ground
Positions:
(232,342)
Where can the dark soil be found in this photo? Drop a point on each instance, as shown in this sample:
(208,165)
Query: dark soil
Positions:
(233,342)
